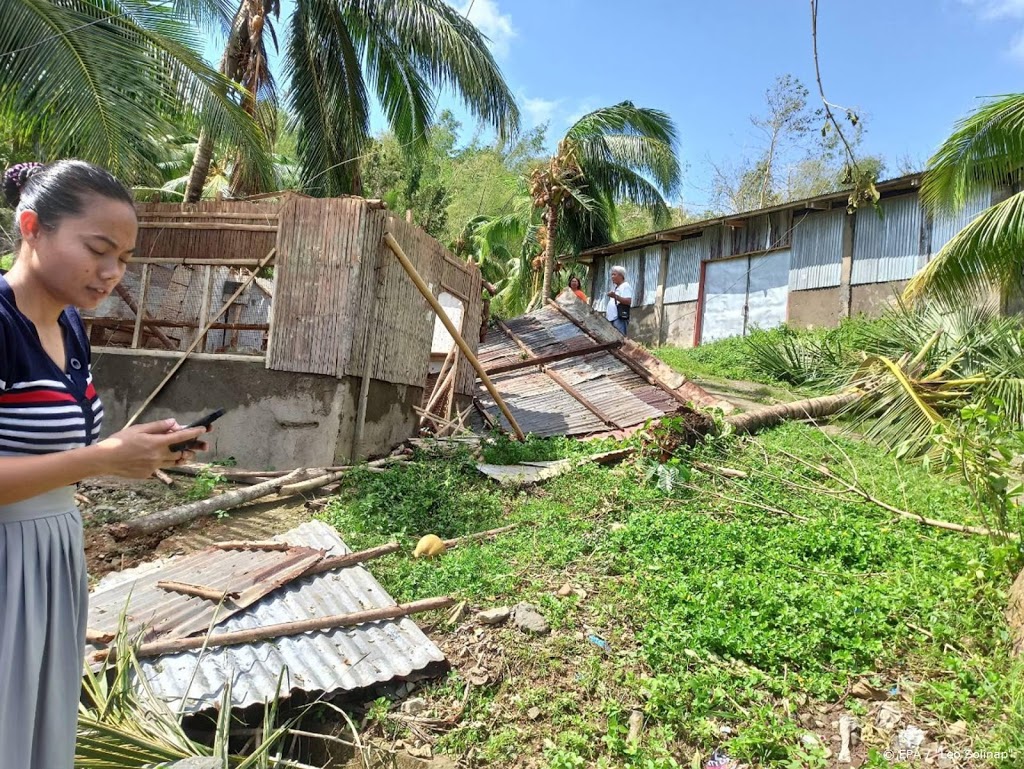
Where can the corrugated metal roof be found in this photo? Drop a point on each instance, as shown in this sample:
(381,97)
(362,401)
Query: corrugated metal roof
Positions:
(542,406)
(817,250)
(322,661)
(893,186)
(889,247)
(246,575)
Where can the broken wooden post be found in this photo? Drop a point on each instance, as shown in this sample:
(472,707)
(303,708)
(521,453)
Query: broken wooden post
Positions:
(148,524)
(410,269)
(280,630)
(195,342)
(126,297)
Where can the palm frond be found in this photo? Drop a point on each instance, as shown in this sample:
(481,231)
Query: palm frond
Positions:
(985,149)
(988,253)
(101,79)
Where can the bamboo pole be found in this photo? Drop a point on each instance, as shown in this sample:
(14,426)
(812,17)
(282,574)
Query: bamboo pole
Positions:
(195,342)
(334,562)
(396,249)
(199,591)
(280,630)
(439,390)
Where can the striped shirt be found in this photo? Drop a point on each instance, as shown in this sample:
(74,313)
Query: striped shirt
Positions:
(43,409)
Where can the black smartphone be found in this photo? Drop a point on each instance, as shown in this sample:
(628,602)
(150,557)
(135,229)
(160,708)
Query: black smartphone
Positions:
(206,421)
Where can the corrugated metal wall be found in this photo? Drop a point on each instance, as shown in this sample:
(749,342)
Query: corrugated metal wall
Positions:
(817,252)
(887,248)
(602,278)
(684,258)
(651,260)
(945,226)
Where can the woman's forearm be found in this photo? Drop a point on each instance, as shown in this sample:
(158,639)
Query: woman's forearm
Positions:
(26,477)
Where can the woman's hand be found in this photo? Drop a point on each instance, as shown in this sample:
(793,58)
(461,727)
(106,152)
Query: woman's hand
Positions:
(139,450)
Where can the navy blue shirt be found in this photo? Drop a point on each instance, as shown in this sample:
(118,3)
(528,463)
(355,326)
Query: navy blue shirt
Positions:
(44,409)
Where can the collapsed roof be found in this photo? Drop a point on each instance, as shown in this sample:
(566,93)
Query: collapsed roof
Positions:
(563,371)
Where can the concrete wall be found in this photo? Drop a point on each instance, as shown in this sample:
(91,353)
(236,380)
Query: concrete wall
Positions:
(679,323)
(643,325)
(274,419)
(873,299)
(815,308)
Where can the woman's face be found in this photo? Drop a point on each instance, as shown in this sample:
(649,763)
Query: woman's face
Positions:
(84,257)
(574,283)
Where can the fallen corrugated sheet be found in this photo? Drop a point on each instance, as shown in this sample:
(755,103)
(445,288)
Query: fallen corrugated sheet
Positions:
(246,575)
(342,659)
(609,391)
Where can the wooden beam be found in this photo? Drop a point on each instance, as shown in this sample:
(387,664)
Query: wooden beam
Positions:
(659,294)
(144,215)
(819,205)
(280,630)
(171,262)
(396,249)
(206,226)
(668,237)
(542,360)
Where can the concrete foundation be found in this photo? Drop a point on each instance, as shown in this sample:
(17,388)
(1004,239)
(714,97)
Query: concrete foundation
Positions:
(873,299)
(815,308)
(643,326)
(274,419)
(679,323)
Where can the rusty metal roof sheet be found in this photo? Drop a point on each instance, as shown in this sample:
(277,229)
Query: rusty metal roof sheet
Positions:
(593,387)
(246,575)
(323,661)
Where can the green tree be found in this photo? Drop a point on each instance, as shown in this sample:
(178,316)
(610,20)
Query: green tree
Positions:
(109,81)
(985,149)
(339,53)
(613,154)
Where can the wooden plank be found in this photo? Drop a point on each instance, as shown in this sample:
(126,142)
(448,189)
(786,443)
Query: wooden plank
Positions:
(198,262)
(207,226)
(205,215)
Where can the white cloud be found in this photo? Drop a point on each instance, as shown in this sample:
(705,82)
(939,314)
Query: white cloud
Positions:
(538,111)
(488,18)
(995,10)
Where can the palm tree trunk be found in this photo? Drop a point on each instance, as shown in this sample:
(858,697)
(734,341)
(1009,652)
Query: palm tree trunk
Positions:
(204,149)
(812,408)
(551,223)
(200,167)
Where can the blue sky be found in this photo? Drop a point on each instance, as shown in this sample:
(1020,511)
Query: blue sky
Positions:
(911,68)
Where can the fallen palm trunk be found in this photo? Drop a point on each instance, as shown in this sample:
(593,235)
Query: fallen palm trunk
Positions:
(811,408)
(281,630)
(149,524)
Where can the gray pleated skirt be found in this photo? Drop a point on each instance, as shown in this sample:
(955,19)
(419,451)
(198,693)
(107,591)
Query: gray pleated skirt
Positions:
(43,612)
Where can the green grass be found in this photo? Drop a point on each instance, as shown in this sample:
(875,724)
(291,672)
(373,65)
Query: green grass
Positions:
(6,261)
(717,612)
(726,358)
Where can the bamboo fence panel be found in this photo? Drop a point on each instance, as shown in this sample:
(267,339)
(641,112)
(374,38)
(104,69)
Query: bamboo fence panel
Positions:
(158,240)
(317,268)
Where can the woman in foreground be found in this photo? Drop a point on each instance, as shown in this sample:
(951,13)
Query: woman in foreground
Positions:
(76,229)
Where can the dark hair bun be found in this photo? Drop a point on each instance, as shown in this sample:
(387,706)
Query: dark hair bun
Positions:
(15,179)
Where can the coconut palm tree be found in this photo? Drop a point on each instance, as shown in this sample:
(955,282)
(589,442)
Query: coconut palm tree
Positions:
(107,80)
(613,154)
(986,148)
(340,52)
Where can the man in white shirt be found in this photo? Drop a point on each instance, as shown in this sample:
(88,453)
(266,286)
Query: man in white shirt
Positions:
(620,299)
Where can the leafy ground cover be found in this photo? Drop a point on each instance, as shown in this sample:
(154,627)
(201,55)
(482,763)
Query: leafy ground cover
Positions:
(743,614)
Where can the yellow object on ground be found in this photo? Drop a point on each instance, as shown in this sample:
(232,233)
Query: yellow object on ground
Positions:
(430,545)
